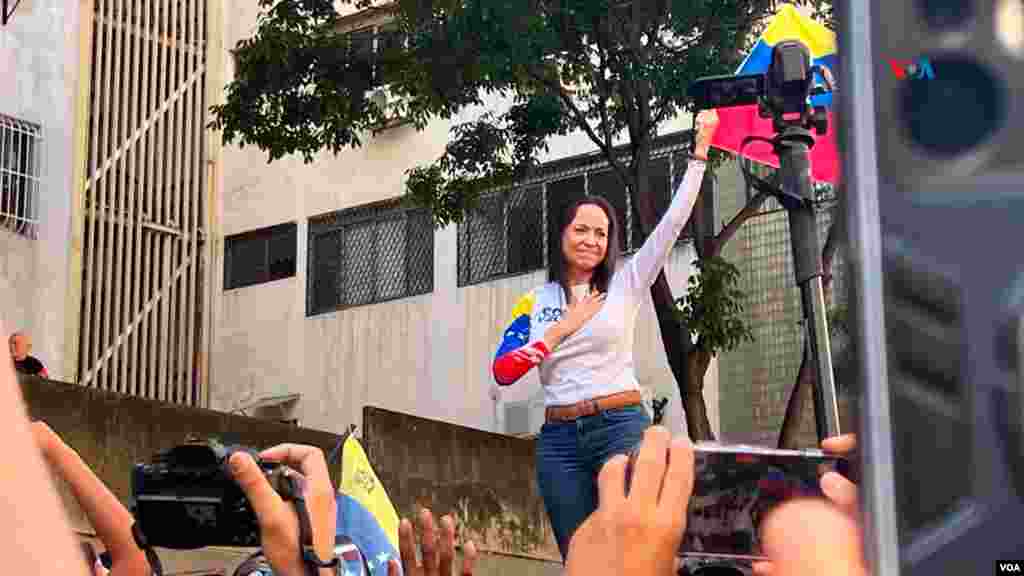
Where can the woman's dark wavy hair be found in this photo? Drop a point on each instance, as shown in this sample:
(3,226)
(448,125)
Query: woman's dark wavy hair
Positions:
(558,267)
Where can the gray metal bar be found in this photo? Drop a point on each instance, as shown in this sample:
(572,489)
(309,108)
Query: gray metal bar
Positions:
(116,253)
(129,366)
(857,112)
(157,328)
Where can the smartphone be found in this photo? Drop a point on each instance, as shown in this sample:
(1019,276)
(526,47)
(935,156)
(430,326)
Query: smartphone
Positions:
(932,170)
(737,486)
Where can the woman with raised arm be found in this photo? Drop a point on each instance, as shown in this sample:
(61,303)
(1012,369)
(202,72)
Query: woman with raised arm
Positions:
(578,328)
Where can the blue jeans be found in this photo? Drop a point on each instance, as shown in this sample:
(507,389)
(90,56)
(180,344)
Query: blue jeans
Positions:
(569,457)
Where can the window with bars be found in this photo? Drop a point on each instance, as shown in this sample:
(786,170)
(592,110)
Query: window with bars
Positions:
(369,254)
(506,235)
(260,256)
(20,153)
(369,46)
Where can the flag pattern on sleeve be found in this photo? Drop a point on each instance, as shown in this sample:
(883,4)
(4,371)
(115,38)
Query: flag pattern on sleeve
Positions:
(514,358)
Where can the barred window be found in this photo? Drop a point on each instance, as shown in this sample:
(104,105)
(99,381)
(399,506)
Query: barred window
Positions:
(20,152)
(506,235)
(369,254)
(260,256)
(368,47)
(503,236)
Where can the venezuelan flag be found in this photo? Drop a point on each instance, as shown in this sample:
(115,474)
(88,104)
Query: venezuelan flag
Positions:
(365,513)
(737,123)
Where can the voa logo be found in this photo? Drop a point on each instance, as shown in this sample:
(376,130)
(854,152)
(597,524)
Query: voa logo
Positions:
(1009,568)
(920,69)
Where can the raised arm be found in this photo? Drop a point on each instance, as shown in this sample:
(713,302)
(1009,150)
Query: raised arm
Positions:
(648,261)
(111,520)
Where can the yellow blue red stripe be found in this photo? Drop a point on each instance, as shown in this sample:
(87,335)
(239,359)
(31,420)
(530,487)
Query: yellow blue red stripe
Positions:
(517,334)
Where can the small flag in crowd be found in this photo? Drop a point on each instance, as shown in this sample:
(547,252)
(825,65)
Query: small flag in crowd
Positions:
(738,122)
(365,513)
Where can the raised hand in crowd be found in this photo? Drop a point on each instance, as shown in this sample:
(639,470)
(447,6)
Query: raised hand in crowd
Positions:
(639,533)
(111,520)
(278,520)
(437,549)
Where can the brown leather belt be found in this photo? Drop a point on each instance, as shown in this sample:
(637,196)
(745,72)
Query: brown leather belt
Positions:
(592,406)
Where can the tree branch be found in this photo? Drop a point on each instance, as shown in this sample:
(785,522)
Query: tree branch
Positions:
(581,119)
(748,211)
(605,93)
(660,117)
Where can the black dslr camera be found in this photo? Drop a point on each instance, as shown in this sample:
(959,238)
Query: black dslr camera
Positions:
(186,498)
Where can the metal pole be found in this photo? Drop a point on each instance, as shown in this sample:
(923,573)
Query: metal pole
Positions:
(826,405)
(793,149)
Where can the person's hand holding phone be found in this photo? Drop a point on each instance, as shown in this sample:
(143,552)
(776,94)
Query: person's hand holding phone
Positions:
(838,489)
(639,533)
(812,537)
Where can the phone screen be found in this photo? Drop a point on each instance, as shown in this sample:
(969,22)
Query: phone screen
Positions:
(735,489)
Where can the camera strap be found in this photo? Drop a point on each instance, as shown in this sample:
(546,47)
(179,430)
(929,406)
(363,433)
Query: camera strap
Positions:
(292,492)
(140,540)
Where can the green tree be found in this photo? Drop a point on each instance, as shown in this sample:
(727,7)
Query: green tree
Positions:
(606,68)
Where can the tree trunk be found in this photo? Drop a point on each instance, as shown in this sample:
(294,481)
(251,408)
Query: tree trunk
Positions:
(805,379)
(674,336)
(696,410)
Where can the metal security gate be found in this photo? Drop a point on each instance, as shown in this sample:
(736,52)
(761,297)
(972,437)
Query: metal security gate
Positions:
(144,261)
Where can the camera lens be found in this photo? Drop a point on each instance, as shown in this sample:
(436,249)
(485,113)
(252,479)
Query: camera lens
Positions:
(944,15)
(954,110)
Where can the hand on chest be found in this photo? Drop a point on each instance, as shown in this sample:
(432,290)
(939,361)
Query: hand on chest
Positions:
(607,324)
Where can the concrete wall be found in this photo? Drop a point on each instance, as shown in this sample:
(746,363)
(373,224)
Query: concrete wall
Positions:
(112,432)
(420,462)
(455,470)
(39,68)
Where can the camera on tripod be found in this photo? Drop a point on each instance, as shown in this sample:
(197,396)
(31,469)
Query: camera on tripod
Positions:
(781,94)
(186,497)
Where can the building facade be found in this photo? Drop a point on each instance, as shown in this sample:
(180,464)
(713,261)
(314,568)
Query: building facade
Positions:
(39,70)
(146,258)
(331,297)
(105,214)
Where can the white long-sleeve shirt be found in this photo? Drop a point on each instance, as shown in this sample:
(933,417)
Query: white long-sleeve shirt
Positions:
(597,360)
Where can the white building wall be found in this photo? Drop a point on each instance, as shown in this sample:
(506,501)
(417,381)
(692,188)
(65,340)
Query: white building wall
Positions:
(39,66)
(429,355)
